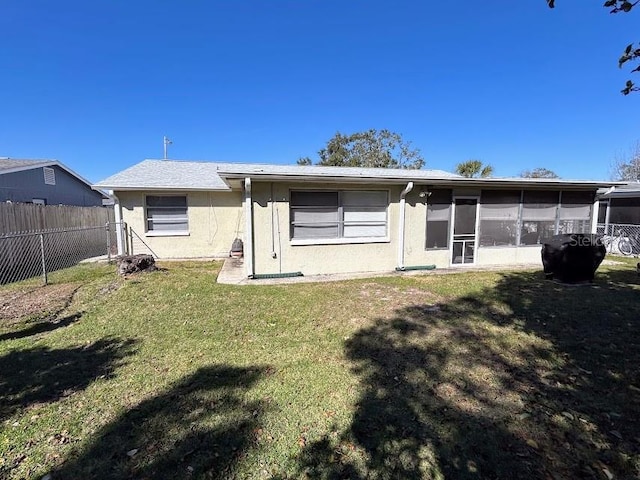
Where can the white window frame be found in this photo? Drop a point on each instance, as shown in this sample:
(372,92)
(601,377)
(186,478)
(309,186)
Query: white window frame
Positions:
(340,239)
(165,233)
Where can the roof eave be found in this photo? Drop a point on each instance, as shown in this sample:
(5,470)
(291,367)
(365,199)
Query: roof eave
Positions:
(23,168)
(444,181)
(137,188)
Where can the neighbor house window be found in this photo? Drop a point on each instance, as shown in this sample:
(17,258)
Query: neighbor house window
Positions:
(318,215)
(167,213)
(539,210)
(574,215)
(499,212)
(438,218)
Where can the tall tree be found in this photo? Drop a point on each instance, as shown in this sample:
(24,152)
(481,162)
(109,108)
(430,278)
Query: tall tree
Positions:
(371,148)
(631,53)
(626,168)
(539,172)
(474,169)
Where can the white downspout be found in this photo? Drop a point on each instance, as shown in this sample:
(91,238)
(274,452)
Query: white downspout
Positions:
(117,210)
(248,236)
(403,194)
(595,212)
(608,210)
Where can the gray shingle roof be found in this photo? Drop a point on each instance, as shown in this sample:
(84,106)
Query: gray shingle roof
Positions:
(631,189)
(201,175)
(334,172)
(177,174)
(9,164)
(167,174)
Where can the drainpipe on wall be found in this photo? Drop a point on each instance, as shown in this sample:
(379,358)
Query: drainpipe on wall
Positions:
(595,212)
(117,210)
(608,210)
(403,194)
(248,240)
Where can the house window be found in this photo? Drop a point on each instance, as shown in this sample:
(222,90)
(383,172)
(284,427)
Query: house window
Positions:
(167,214)
(499,211)
(349,215)
(49,176)
(438,218)
(539,210)
(574,215)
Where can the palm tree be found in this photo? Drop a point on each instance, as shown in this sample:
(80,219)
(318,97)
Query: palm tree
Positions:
(474,169)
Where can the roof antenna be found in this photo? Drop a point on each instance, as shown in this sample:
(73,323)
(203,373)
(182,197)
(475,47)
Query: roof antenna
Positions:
(166,143)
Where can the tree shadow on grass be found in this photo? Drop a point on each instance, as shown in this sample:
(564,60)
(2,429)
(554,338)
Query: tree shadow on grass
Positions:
(43,326)
(528,379)
(200,427)
(39,375)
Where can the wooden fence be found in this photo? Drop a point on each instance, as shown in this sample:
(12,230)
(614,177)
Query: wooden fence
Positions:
(26,217)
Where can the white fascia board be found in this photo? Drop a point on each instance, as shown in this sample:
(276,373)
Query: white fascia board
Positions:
(418,180)
(160,188)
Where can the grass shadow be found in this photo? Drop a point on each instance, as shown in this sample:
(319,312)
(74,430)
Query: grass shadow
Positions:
(200,427)
(41,327)
(528,379)
(41,375)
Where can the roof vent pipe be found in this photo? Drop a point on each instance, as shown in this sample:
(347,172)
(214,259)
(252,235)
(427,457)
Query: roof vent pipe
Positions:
(403,194)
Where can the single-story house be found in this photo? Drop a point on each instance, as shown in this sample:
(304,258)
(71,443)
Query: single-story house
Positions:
(620,205)
(319,220)
(45,182)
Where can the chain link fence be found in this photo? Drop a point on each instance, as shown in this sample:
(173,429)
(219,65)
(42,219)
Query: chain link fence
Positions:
(32,254)
(620,239)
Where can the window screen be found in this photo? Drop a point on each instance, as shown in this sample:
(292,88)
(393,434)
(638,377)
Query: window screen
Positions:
(539,211)
(167,213)
(438,218)
(575,212)
(625,211)
(499,212)
(338,214)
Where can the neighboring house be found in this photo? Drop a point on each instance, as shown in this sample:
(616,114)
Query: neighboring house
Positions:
(319,220)
(620,205)
(47,182)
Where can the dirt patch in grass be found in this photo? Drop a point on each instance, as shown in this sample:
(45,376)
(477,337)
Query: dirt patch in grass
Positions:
(35,303)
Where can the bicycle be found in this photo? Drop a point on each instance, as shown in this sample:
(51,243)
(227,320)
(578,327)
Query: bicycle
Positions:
(620,243)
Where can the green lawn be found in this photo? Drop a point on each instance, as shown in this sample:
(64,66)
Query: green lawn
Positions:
(170,375)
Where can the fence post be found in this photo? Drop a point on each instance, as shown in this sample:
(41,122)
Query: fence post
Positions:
(108,243)
(131,239)
(44,263)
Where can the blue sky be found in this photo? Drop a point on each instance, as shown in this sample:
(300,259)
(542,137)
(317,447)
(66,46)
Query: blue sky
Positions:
(96,84)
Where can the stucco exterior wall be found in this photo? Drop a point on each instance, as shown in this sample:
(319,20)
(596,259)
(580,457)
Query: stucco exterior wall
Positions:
(215,220)
(276,253)
(272,235)
(526,255)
